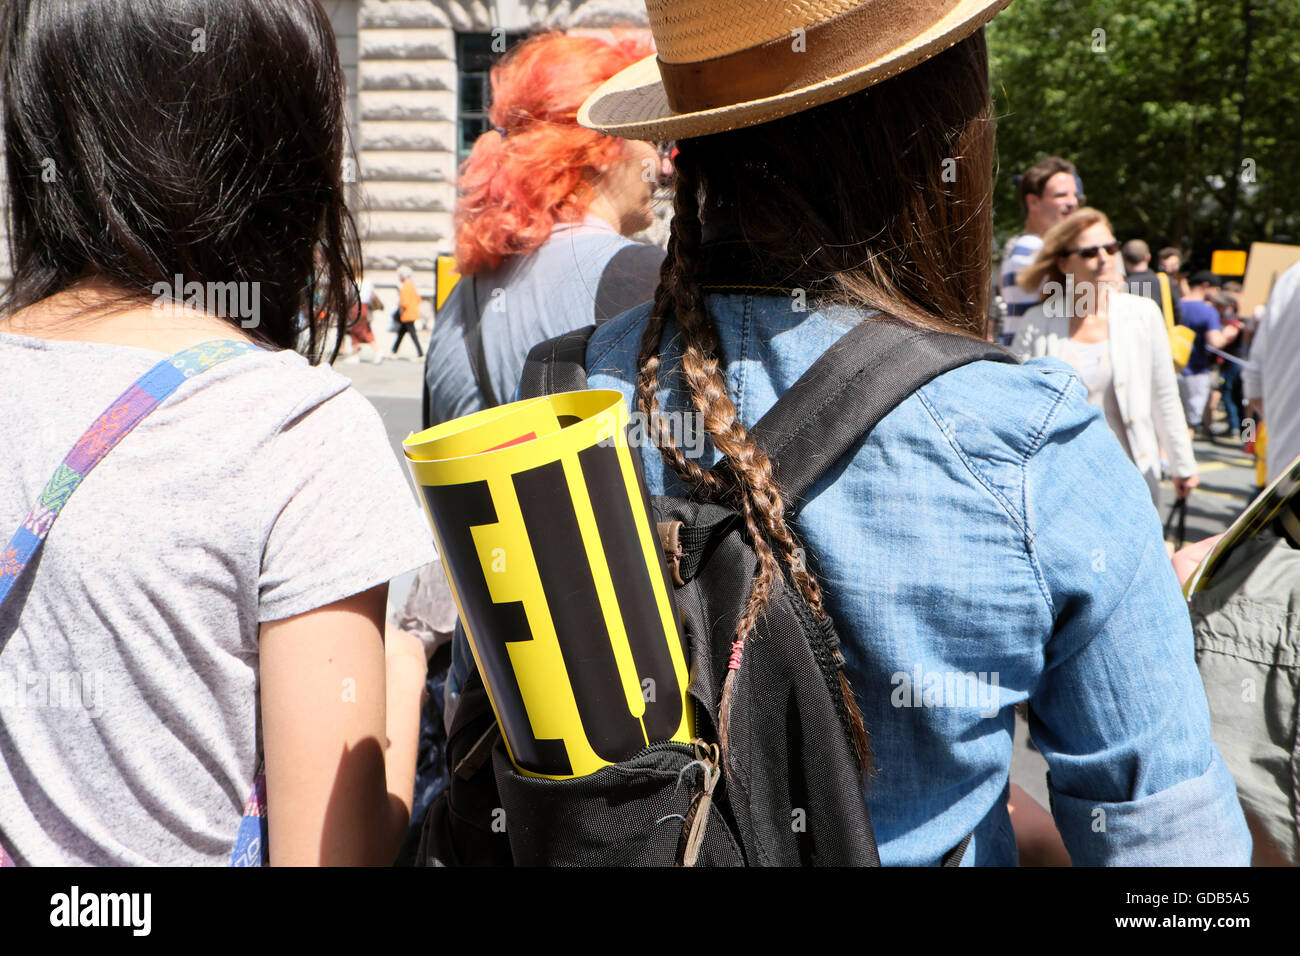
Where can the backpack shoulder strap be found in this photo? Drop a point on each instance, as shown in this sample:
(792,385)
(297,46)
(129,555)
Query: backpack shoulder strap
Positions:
(472,322)
(851,388)
(557,365)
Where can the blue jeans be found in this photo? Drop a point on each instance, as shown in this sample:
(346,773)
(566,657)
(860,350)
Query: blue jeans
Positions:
(1231,388)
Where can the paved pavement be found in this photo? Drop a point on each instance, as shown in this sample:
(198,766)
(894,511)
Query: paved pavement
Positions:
(1227,486)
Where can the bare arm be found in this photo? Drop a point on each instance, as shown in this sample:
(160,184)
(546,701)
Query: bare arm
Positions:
(340,727)
(1037,841)
(1221,338)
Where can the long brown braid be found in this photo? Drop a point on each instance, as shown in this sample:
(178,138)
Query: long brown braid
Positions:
(752,487)
(879,200)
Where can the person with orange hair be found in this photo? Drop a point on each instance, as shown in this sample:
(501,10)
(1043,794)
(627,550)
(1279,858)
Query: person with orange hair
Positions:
(542,223)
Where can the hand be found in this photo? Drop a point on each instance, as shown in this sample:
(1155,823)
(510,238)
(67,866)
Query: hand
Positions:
(1255,408)
(1189,558)
(1183,486)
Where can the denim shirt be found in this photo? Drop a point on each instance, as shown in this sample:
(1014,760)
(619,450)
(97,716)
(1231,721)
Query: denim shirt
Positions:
(989,526)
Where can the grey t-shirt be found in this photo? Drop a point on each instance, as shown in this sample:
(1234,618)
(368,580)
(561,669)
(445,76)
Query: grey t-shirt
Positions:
(262,489)
(586,272)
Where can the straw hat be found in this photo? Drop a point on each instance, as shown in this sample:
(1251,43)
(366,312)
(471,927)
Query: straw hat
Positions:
(724,64)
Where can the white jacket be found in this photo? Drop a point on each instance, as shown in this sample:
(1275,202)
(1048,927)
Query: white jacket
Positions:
(1271,375)
(1146,388)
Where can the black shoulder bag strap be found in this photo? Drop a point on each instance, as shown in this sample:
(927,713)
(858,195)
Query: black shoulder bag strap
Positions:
(846,393)
(557,365)
(473,323)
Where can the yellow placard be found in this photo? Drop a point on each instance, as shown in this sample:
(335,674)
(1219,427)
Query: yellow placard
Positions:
(446,280)
(1228,262)
(1267,261)
(542,523)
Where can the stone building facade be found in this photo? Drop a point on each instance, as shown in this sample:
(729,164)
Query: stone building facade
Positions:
(406,88)
(410,132)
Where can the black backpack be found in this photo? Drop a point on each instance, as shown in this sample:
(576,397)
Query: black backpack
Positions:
(792,791)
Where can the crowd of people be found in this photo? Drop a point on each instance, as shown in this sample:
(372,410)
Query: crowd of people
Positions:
(259,708)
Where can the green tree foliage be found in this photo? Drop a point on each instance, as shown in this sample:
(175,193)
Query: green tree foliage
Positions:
(1182,118)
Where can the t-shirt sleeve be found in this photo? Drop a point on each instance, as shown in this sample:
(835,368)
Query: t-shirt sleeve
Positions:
(1021,255)
(347,519)
(1199,316)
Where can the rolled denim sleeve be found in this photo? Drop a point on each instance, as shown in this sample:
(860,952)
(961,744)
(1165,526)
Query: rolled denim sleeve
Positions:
(1120,712)
(1194,823)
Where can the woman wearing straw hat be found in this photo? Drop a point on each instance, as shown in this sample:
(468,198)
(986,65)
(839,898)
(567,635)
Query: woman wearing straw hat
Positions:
(837,157)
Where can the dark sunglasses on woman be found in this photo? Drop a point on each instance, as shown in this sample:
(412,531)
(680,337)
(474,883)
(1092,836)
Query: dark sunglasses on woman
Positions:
(1090,252)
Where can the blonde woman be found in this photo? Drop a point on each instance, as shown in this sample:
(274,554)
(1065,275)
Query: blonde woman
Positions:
(1115,341)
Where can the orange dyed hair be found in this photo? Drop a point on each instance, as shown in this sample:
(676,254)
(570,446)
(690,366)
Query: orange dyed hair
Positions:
(514,188)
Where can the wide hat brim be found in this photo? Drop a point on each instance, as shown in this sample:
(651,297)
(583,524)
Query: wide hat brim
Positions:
(632,104)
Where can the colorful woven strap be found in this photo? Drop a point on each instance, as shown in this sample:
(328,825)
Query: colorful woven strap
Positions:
(251,846)
(132,406)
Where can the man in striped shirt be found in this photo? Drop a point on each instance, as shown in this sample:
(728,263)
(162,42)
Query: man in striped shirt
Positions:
(1049,191)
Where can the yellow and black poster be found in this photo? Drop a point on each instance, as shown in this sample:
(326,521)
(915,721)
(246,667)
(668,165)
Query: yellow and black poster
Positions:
(542,521)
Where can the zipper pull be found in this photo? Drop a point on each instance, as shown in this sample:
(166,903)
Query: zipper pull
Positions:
(697,817)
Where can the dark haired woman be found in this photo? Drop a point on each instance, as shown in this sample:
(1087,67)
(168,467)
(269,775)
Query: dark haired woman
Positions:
(965,535)
(172,169)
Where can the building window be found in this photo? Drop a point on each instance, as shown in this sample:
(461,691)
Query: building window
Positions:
(475,55)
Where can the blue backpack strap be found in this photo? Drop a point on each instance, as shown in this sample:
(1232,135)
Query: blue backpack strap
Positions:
(118,420)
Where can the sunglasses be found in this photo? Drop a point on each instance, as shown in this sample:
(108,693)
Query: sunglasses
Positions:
(1091,252)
